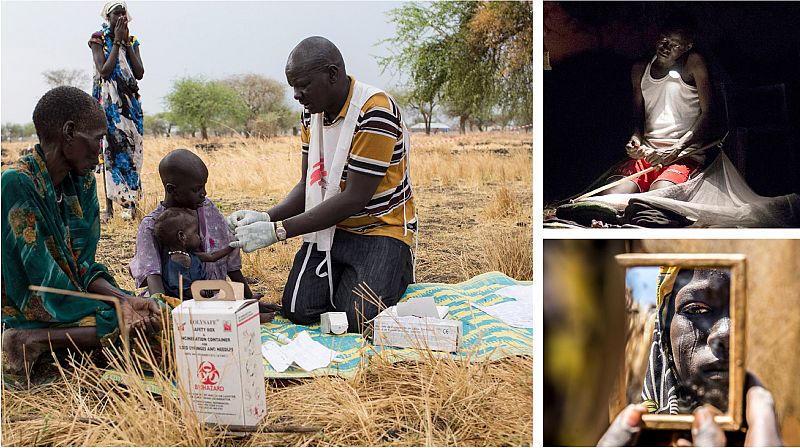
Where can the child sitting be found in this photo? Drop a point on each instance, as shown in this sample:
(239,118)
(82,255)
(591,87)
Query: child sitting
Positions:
(184,177)
(176,232)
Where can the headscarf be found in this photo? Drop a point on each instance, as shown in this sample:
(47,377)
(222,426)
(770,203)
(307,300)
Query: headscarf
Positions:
(110,7)
(659,393)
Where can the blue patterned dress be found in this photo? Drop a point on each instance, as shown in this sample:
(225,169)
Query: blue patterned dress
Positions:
(119,96)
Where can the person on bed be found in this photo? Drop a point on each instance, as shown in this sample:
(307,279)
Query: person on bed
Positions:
(671,103)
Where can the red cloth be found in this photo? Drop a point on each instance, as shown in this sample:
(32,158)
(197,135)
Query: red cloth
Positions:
(678,172)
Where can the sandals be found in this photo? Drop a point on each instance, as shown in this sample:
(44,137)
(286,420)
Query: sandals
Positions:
(584,213)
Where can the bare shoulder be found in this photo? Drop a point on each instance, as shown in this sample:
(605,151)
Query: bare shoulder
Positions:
(638,66)
(694,61)
(637,70)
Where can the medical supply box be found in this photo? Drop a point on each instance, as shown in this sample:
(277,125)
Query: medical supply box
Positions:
(412,326)
(218,356)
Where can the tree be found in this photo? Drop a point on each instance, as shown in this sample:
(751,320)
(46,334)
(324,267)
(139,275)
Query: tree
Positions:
(504,30)
(200,104)
(158,124)
(272,123)
(471,57)
(28,129)
(418,101)
(12,131)
(420,44)
(265,99)
(67,77)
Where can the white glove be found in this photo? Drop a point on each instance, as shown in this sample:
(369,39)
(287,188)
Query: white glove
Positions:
(255,236)
(244,217)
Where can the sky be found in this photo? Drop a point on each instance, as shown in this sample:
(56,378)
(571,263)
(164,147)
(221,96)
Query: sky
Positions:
(642,282)
(212,39)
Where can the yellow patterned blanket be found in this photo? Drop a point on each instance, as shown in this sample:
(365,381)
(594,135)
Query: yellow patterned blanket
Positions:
(484,337)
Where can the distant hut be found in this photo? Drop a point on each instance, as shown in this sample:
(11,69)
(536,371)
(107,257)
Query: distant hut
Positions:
(435,128)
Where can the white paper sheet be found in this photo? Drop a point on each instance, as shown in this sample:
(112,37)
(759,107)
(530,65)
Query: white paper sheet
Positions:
(303,351)
(273,353)
(517,313)
(309,354)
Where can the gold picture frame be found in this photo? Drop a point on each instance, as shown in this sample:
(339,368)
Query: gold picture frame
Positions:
(732,419)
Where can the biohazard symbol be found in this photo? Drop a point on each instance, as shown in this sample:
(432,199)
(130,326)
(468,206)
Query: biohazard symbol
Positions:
(319,174)
(207,373)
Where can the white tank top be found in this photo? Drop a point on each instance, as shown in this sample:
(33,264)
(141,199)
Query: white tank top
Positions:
(670,109)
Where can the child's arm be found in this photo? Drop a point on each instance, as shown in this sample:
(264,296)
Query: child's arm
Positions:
(237,276)
(155,284)
(210,257)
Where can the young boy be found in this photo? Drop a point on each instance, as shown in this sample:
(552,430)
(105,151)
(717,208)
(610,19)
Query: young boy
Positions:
(184,177)
(177,233)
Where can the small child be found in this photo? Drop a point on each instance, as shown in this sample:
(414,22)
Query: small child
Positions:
(184,177)
(176,232)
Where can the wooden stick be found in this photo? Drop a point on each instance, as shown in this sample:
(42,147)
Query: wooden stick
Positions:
(301,429)
(616,182)
(123,329)
(641,173)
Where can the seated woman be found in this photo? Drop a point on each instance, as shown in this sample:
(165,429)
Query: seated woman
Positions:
(50,230)
(689,353)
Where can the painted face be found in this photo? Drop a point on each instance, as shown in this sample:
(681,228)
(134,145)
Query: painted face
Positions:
(671,46)
(84,149)
(699,334)
(190,193)
(311,87)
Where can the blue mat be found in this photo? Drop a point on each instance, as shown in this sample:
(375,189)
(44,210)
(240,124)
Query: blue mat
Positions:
(484,337)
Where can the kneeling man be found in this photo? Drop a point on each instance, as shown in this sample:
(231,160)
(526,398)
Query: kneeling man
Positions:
(353,203)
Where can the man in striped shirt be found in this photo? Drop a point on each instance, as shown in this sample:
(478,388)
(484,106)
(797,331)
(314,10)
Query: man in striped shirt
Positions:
(352,134)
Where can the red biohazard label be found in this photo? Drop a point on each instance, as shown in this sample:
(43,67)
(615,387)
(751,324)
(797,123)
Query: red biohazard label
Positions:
(208,373)
(226,326)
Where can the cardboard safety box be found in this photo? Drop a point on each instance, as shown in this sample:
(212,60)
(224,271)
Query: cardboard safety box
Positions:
(418,323)
(218,355)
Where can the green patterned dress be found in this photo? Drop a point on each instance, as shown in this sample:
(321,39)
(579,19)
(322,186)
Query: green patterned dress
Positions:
(50,239)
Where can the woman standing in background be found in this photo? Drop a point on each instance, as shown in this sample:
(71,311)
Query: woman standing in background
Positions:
(118,66)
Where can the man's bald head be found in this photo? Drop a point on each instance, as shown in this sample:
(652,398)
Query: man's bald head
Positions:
(181,165)
(313,53)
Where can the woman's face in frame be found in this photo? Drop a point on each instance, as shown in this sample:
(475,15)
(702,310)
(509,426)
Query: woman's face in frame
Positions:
(699,333)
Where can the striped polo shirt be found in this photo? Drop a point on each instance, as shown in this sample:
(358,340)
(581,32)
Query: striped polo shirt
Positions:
(377,150)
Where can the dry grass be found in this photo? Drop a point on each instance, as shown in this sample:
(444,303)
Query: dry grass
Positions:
(473,196)
(432,402)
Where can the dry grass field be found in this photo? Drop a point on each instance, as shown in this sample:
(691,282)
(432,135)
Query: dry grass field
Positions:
(473,194)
